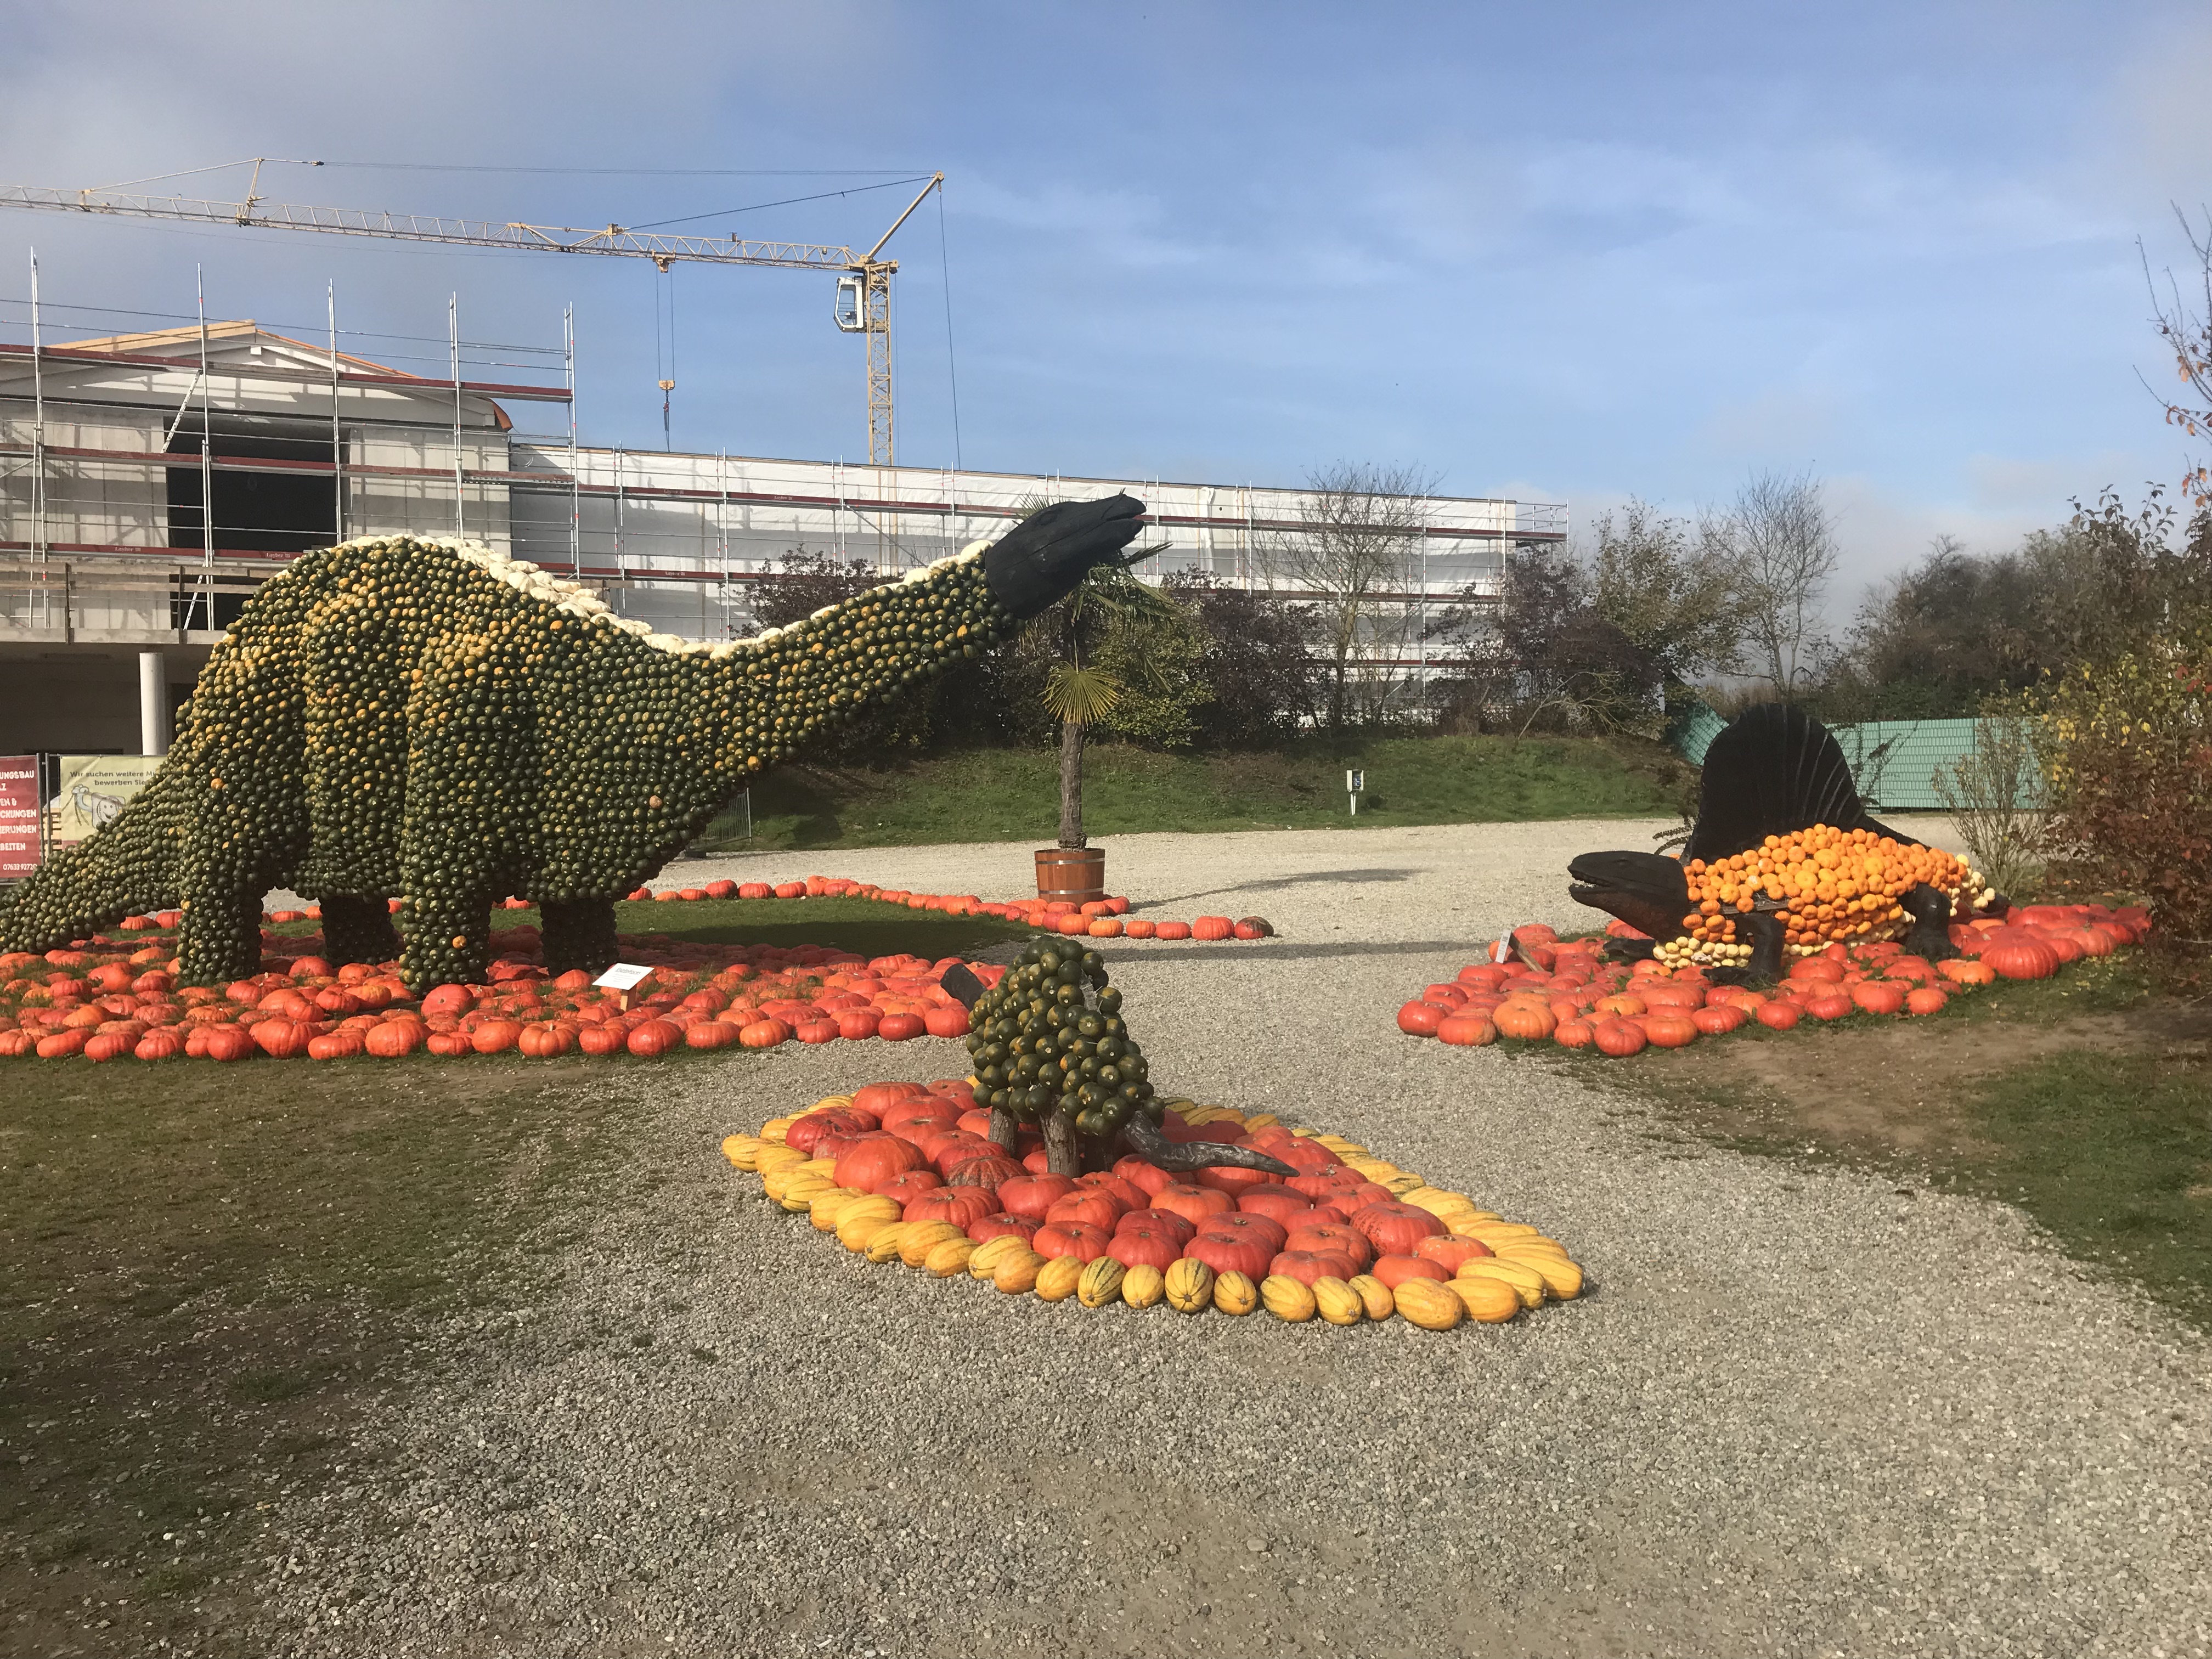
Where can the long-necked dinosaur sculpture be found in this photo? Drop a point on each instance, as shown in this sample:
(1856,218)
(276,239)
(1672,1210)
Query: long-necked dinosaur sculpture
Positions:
(434,719)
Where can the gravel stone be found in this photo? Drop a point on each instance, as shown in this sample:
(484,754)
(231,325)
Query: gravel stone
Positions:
(1794,1414)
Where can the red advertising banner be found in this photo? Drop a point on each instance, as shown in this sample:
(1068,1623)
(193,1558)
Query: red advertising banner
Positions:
(19,816)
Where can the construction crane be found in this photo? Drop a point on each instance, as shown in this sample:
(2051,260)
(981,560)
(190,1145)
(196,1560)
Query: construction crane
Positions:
(864,288)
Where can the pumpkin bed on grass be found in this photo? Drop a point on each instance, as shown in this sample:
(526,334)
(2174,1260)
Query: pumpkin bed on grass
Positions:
(1351,1239)
(115,996)
(1539,987)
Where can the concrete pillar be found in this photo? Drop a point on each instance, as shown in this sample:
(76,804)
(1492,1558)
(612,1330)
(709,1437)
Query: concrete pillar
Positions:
(153,704)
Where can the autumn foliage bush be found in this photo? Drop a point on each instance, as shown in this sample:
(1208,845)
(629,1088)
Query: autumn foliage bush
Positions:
(2130,764)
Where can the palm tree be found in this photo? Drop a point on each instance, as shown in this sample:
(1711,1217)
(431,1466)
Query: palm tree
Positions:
(1108,605)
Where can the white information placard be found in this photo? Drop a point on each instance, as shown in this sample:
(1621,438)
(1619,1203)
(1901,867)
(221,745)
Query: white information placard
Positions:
(622,976)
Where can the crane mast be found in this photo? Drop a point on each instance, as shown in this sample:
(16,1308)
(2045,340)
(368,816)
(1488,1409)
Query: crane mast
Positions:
(863,288)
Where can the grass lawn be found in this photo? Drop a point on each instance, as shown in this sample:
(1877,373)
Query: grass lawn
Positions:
(2082,1099)
(203,1268)
(1010,794)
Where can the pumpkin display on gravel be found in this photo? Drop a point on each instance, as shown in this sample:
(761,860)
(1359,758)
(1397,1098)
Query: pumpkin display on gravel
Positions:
(1425,1254)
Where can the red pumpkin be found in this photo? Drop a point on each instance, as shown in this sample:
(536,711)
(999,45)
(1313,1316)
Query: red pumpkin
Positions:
(224,1043)
(1237,1224)
(1718,1019)
(1395,1229)
(1960,971)
(109,1045)
(1925,1000)
(1307,1266)
(1333,1237)
(903,1189)
(713,1034)
(1322,1187)
(900,1028)
(1672,1030)
(157,1045)
(1196,1204)
(1001,1225)
(949,1151)
(873,1160)
(1033,1195)
(1162,1220)
(280,1039)
(1573,1033)
(989,1174)
(2020,953)
(1278,1202)
(1396,1270)
(963,1206)
(332,1045)
(1420,1018)
(543,1041)
(1468,1031)
(1145,1246)
(1147,1178)
(1450,1253)
(1249,1256)
(1076,1238)
(1827,1007)
(1091,1204)
(856,1024)
(655,1036)
(1778,1015)
(976,1122)
(880,1098)
(495,1036)
(1305,1156)
(917,1120)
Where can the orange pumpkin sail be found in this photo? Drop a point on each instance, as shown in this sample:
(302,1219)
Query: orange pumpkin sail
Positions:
(1783,861)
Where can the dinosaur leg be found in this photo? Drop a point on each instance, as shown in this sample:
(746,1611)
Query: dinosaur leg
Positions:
(448,939)
(1629,949)
(1063,1148)
(579,933)
(358,929)
(219,939)
(1929,936)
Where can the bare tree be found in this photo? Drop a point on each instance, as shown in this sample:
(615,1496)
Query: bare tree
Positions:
(1672,593)
(1356,548)
(1779,540)
(2189,336)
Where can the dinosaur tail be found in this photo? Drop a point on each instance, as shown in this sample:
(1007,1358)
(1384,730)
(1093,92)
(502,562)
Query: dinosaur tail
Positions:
(126,867)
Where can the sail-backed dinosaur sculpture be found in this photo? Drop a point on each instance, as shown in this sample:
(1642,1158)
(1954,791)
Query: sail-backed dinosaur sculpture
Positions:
(1783,860)
(432,720)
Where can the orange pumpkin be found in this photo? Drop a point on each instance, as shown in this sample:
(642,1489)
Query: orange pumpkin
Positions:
(1670,1031)
(1307,1266)
(495,1036)
(873,1160)
(1574,1034)
(1878,996)
(963,1206)
(1145,1246)
(1420,1018)
(1965,970)
(1078,1239)
(1718,1019)
(1396,1270)
(1090,1204)
(1235,1223)
(1618,1039)
(1395,1229)
(2020,953)
(1466,1030)
(1031,1196)
(1332,1237)
(1449,1251)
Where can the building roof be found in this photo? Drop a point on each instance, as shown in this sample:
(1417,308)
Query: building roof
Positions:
(158,342)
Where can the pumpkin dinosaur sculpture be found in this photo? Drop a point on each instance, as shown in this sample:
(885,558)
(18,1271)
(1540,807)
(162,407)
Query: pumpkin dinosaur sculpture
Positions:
(1051,1048)
(1783,861)
(439,720)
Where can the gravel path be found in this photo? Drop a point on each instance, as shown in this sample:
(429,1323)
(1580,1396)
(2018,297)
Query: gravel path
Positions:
(1799,1412)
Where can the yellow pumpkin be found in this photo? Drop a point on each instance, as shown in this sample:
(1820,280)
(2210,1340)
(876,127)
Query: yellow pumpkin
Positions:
(1286,1298)
(1400,1185)
(829,1205)
(1101,1283)
(1467,1227)
(863,1220)
(1488,1301)
(769,1159)
(772,1131)
(1259,1121)
(741,1150)
(1561,1277)
(1429,1304)
(1189,1286)
(949,1257)
(1233,1293)
(1016,1272)
(921,1237)
(1143,1286)
(1374,1295)
(1337,1302)
(886,1243)
(1525,1281)
(1057,1279)
(992,1251)
(1438,1203)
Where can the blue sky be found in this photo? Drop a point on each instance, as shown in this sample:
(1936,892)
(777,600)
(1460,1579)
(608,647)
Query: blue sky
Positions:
(1572,253)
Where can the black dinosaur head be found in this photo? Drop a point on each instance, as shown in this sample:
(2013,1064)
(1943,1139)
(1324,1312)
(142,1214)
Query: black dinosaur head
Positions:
(1042,558)
(1646,891)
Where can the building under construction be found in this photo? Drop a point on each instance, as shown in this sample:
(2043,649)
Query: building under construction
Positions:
(150,482)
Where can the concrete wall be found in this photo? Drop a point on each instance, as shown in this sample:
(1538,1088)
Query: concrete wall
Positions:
(80,699)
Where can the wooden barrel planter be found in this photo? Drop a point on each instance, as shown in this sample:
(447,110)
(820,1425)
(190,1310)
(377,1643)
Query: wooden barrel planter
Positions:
(1077,874)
